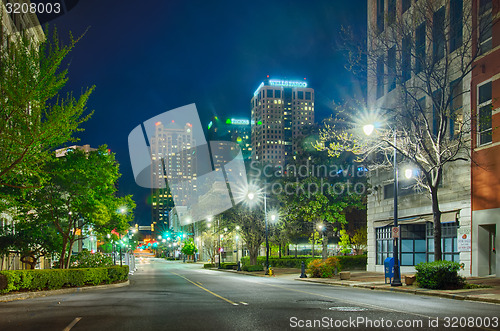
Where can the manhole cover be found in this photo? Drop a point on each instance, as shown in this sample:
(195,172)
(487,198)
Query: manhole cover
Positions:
(348,308)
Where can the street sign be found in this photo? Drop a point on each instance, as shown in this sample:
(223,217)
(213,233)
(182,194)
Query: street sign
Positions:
(464,239)
(395,232)
(144,228)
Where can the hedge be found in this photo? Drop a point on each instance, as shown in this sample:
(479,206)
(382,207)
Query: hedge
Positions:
(224,265)
(347,262)
(257,267)
(228,265)
(50,279)
(439,275)
(352,262)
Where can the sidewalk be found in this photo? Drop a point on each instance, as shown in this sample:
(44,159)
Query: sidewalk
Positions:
(375,281)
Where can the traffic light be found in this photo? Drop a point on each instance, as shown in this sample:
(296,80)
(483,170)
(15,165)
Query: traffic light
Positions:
(152,227)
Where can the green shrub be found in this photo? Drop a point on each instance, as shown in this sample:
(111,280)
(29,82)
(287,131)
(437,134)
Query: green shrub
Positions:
(323,269)
(32,280)
(257,267)
(352,262)
(439,275)
(117,273)
(228,265)
(208,265)
(86,259)
(284,262)
(348,262)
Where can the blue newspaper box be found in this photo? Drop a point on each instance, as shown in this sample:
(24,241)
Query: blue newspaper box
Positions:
(389,269)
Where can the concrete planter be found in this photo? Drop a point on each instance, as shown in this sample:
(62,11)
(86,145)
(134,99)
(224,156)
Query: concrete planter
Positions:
(345,275)
(410,279)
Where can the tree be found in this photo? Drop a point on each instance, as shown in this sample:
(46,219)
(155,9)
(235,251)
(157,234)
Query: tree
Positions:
(281,235)
(189,247)
(251,223)
(80,194)
(315,202)
(31,240)
(34,119)
(314,239)
(424,58)
(209,240)
(359,240)
(345,241)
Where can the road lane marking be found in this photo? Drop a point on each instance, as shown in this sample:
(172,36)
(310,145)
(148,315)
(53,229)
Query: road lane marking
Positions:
(72,324)
(214,294)
(244,303)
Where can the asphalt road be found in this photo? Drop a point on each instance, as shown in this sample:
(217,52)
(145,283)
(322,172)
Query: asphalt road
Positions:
(175,296)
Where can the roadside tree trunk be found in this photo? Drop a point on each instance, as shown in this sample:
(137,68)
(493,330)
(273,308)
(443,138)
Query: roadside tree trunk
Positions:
(324,253)
(437,225)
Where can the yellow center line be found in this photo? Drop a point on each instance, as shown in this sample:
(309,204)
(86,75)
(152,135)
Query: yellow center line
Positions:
(214,294)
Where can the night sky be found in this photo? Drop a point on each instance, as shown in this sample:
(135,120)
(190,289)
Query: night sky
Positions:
(147,57)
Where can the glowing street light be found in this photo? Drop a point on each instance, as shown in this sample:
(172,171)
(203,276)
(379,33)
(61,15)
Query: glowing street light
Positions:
(368,129)
(396,281)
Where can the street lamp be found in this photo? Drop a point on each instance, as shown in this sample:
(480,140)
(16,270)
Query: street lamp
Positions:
(396,281)
(251,196)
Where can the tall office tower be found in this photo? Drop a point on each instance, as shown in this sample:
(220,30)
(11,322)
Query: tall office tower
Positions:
(237,130)
(281,109)
(173,157)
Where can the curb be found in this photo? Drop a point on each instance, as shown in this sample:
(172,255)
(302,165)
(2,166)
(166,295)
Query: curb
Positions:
(31,295)
(238,272)
(412,291)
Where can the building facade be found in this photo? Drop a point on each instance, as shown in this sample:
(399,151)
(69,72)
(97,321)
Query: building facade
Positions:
(440,35)
(485,96)
(281,109)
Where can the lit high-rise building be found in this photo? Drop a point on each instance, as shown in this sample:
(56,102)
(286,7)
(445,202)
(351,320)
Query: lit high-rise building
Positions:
(237,130)
(281,109)
(173,158)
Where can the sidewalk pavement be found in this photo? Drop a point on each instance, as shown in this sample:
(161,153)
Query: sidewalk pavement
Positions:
(375,281)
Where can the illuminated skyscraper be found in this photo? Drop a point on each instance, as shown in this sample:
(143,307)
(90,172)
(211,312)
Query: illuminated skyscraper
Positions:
(237,130)
(173,158)
(281,109)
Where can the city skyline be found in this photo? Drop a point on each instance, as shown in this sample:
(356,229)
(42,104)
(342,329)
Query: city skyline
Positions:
(213,55)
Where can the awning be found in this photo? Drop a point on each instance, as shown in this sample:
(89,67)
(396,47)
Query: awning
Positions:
(447,217)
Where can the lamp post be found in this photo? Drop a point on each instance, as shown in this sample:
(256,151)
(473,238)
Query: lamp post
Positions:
(251,196)
(396,281)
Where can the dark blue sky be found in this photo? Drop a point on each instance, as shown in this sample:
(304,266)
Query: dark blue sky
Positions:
(147,57)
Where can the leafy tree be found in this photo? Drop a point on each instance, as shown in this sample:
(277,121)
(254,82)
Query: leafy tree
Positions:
(189,247)
(209,240)
(252,229)
(359,240)
(281,235)
(79,194)
(31,240)
(315,202)
(315,239)
(34,118)
(345,241)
